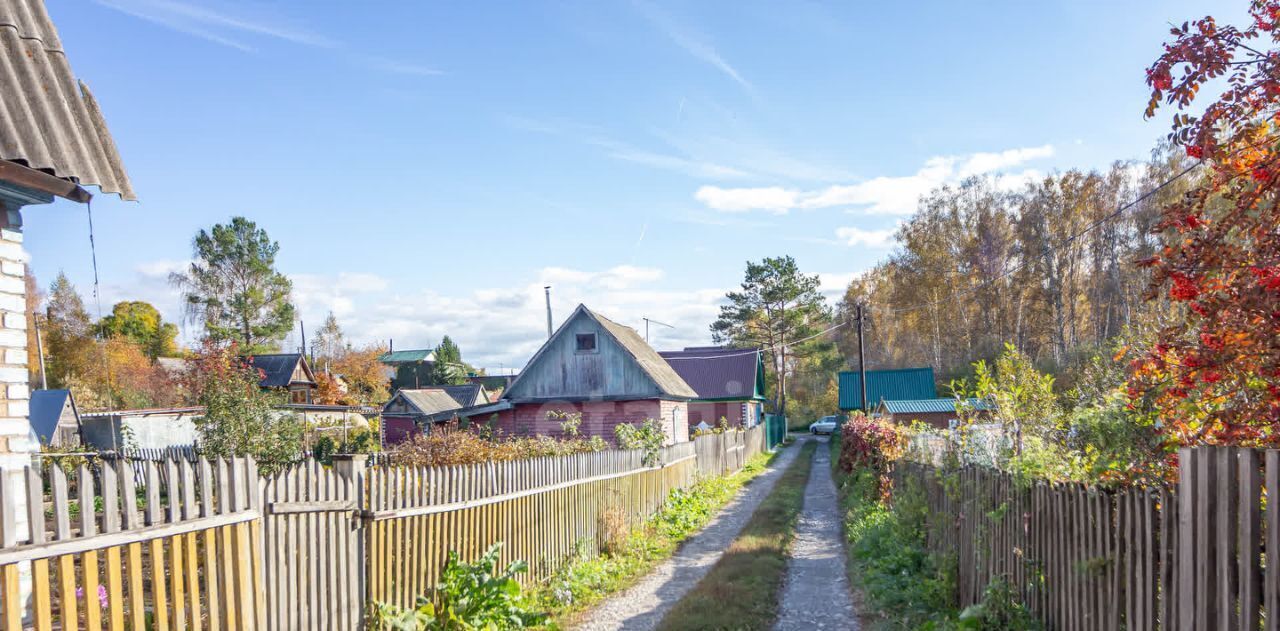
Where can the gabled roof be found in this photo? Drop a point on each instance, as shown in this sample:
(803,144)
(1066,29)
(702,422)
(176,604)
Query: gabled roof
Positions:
(929,406)
(426,400)
(720,373)
(467,394)
(48,120)
(278,369)
(903,384)
(408,357)
(650,362)
(45,410)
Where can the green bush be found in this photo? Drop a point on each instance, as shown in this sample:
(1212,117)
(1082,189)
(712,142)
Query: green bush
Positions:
(471,596)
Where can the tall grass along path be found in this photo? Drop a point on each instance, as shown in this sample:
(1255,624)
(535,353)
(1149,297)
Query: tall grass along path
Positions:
(641,607)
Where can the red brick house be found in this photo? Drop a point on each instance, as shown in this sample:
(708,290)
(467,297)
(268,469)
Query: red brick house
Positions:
(729,383)
(598,368)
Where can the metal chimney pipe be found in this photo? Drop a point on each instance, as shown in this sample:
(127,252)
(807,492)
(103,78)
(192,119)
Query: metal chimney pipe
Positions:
(548,290)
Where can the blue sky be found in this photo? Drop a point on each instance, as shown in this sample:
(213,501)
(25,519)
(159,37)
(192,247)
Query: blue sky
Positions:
(428,167)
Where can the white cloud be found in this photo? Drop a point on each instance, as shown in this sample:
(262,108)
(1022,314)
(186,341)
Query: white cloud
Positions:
(852,235)
(773,199)
(883,195)
(212,25)
(496,326)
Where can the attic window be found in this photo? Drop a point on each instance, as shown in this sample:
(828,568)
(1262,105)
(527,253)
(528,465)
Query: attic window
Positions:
(586,342)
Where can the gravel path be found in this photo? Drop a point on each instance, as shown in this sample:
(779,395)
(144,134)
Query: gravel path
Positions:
(642,607)
(816,592)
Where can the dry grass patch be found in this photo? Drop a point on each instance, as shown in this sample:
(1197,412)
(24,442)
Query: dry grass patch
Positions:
(741,591)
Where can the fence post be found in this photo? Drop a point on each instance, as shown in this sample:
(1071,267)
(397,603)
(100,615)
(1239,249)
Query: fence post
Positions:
(352,468)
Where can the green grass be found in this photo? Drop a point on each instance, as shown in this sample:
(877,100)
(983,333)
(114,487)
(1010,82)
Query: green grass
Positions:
(904,586)
(741,591)
(587,579)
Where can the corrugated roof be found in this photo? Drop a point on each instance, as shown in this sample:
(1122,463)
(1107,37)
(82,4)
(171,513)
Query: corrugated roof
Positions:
(277,369)
(428,400)
(405,357)
(669,382)
(45,410)
(887,385)
(930,406)
(718,373)
(49,120)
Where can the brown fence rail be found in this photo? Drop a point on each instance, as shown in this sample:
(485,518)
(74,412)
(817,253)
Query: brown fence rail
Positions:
(178,541)
(92,548)
(1193,556)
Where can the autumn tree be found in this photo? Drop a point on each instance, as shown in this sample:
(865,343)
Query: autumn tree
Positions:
(68,333)
(776,307)
(233,288)
(365,376)
(330,342)
(1214,375)
(141,323)
(240,418)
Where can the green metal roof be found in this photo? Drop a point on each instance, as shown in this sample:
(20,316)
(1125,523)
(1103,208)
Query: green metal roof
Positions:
(904,384)
(931,406)
(405,357)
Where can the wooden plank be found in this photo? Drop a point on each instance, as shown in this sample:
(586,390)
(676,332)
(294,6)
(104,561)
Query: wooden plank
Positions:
(226,560)
(209,538)
(177,554)
(41,600)
(1227,528)
(14,607)
(159,587)
(68,612)
(187,482)
(1271,586)
(89,560)
(110,524)
(246,582)
(1249,537)
(1206,590)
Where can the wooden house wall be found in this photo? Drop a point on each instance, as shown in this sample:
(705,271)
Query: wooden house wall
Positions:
(562,372)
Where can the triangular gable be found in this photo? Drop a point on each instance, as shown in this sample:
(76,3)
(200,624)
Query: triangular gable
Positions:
(302,370)
(633,367)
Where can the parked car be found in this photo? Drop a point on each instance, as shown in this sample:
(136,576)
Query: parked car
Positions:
(825,425)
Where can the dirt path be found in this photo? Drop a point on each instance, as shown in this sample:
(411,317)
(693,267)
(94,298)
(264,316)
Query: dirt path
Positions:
(816,592)
(642,607)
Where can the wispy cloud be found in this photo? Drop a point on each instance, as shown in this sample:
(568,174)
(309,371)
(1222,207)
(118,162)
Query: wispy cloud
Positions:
(244,34)
(853,235)
(691,42)
(618,150)
(883,195)
(206,23)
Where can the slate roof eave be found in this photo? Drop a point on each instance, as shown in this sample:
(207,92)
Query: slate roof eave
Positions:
(50,121)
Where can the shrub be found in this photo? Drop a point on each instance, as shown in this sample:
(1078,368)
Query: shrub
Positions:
(239,417)
(470,596)
(866,444)
(647,436)
(455,447)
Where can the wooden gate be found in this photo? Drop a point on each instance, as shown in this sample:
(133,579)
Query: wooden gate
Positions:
(311,533)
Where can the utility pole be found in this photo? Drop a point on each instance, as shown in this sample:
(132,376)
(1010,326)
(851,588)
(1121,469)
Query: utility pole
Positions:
(548,290)
(646,327)
(862,364)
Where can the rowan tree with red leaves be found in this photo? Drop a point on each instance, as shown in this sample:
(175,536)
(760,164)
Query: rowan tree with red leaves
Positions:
(1214,377)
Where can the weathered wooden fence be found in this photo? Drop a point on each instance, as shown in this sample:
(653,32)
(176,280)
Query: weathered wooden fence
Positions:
(200,544)
(1192,557)
(728,451)
(93,549)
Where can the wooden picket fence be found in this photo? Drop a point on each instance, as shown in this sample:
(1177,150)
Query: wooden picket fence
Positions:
(210,544)
(90,548)
(726,452)
(1193,556)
